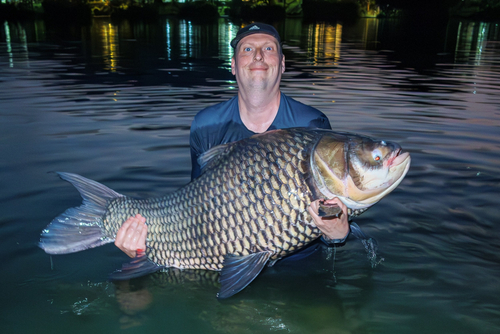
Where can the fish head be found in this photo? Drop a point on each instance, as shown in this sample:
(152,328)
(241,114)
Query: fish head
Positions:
(358,170)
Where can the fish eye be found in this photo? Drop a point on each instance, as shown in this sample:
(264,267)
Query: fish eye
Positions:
(376,155)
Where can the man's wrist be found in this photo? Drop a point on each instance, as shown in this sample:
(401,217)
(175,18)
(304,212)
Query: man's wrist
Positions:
(330,241)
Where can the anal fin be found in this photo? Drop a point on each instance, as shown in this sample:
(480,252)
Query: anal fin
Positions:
(139,266)
(239,271)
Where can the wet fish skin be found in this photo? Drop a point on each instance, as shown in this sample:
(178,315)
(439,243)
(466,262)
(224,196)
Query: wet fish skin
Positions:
(253,198)
(248,208)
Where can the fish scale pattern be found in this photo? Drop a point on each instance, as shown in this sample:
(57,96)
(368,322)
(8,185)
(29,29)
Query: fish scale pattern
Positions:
(253,197)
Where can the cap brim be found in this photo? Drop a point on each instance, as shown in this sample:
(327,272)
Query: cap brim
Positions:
(237,39)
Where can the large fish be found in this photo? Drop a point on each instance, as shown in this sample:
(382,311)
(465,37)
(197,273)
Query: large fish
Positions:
(247,209)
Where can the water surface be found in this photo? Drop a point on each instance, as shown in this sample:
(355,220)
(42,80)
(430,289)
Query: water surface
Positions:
(114,102)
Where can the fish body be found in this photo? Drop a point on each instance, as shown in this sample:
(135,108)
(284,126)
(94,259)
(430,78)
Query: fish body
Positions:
(248,208)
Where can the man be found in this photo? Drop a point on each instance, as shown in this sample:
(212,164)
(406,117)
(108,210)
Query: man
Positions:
(257,63)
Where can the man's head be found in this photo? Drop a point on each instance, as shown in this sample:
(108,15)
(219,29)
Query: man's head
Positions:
(256,28)
(258,62)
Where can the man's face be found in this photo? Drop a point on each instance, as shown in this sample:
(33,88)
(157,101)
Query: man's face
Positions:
(258,62)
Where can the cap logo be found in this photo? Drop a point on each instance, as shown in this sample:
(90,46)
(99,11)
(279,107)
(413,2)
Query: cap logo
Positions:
(254,28)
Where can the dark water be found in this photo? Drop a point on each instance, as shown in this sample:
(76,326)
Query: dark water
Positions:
(114,102)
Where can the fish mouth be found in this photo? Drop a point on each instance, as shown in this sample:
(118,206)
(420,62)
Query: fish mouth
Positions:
(399,164)
(398,159)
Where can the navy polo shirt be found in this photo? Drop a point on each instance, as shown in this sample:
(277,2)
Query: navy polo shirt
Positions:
(221,124)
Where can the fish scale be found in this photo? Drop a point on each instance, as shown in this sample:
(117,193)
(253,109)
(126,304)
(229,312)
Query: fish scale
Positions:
(248,208)
(200,219)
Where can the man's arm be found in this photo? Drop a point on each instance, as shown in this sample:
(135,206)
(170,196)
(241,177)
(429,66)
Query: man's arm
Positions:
(322,123)
(196,142)
(195,167)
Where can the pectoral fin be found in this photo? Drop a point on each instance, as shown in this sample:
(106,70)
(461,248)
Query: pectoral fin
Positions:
(329,210)
(239,271)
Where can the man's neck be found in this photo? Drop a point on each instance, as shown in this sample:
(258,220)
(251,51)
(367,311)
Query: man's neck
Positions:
(258,111)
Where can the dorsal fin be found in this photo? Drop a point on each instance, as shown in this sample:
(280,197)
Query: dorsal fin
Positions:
(212,156)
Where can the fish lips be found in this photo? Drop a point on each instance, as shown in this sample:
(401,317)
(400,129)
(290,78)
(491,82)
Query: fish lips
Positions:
(399,160)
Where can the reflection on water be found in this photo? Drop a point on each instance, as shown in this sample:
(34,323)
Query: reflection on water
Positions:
(323,41)
(181,39)
(20,48)
(106,33)
(472,38)
(114,101)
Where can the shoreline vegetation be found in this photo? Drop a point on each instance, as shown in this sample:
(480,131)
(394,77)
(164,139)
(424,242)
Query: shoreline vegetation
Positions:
(82,11)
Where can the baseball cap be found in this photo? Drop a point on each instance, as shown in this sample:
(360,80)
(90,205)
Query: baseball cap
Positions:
(255,28)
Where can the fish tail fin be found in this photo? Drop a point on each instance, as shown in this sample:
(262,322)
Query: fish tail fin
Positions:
(79,228)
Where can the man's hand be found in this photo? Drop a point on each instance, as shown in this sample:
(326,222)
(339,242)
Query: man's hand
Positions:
(132,235)
(332,228)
